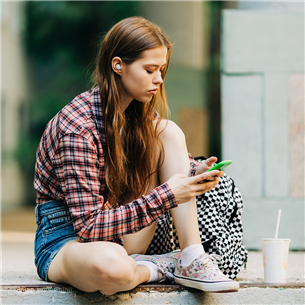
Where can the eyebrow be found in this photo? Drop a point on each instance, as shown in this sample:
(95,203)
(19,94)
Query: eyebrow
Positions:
(153,65)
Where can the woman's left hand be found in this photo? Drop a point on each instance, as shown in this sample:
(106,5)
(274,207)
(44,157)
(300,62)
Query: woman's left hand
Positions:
(205,165)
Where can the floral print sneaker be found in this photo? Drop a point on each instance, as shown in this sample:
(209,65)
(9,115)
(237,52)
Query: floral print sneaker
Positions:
(166,263)
(204,274)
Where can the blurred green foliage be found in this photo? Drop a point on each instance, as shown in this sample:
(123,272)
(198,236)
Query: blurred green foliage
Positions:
(61,39)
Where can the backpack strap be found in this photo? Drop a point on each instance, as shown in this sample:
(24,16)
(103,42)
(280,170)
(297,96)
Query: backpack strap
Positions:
(235,208)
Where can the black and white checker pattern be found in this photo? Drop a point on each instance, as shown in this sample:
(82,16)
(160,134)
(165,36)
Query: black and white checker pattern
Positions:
(220,226)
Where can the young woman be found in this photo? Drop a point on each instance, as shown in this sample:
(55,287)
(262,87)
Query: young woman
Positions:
(109,166)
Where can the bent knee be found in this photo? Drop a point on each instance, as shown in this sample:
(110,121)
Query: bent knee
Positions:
(115,270)
(170,131)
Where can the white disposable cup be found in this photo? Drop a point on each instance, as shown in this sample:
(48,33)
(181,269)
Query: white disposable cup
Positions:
(275,259)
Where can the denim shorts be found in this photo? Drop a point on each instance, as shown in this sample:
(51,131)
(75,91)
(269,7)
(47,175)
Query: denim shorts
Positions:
(54,230)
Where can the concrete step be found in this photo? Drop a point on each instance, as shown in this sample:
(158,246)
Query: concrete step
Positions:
(152,294)
(21,285)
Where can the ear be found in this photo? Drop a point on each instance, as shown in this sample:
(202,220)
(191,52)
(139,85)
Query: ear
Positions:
(116,65)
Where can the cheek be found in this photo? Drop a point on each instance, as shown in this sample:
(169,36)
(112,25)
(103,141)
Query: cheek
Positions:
(133,86)
(137,82)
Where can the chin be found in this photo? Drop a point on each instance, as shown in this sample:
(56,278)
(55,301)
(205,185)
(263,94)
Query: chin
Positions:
(144,100)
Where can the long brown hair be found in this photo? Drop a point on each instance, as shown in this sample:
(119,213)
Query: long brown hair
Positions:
(132,140)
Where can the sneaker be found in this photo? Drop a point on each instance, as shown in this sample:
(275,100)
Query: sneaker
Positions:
(166,263)
(205,275)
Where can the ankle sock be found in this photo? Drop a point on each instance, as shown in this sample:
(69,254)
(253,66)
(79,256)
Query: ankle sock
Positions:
(190,253)
(153,269)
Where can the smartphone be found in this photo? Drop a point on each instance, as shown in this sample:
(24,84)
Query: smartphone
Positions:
(221,165)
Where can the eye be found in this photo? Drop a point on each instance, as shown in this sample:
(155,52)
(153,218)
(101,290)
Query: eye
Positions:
(149,72)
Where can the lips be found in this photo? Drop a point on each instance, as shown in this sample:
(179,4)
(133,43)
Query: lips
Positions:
(154,91)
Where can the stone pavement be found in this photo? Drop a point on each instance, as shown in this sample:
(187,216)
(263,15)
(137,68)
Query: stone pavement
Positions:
(21,285)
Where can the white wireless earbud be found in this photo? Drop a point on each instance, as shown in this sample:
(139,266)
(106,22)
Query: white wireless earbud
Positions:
(118,66)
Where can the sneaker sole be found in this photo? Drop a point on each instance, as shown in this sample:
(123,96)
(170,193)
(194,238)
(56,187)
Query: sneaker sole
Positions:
(230,286)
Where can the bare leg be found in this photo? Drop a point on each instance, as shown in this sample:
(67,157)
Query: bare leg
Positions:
(177,162)
(185,215)
(96,266)
(138,242)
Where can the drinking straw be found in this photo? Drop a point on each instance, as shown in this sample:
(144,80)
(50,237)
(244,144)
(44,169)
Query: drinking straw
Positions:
(278,223)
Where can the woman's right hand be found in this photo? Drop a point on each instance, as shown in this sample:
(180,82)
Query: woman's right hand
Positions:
(185,188)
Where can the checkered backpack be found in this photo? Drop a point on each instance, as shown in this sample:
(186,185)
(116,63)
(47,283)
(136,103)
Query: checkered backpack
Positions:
(220,226)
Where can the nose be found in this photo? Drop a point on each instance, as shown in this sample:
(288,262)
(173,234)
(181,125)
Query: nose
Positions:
(158,79)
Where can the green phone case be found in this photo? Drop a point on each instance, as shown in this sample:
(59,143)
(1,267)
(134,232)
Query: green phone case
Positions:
(221,165)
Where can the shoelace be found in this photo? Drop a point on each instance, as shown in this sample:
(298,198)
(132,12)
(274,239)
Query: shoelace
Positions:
(211,260)
(167,273)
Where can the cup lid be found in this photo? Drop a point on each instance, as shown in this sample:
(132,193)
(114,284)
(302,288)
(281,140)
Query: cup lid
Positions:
(277,239)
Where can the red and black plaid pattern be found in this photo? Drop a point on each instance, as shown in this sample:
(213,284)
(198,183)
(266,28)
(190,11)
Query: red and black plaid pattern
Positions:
(70,168)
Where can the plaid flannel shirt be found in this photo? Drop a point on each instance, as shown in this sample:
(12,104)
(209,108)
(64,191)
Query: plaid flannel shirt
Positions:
(70,168)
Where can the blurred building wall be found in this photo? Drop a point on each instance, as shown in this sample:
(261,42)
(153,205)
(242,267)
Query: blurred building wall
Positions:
(186,25)
(13,98)
(263,115)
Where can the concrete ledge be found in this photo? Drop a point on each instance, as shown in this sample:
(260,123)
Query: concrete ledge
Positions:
(146,288)
(249,293)
(60,295)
